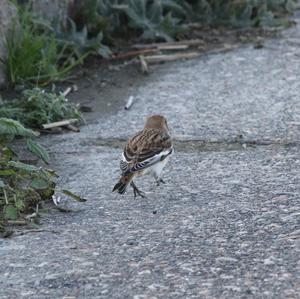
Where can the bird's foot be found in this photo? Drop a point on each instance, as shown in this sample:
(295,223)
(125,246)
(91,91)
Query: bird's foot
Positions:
(136,191)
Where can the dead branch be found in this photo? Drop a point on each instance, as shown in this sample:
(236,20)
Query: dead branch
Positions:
(171,45)
(67,91)
(172,57)
(60,123)
(132,54)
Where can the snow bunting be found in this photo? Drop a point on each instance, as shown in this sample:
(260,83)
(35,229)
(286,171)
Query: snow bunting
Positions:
(145,153)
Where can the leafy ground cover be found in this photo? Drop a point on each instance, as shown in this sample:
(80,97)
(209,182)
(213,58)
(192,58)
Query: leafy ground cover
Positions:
(24,185)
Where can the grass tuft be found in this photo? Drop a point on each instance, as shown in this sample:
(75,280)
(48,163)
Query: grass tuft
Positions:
(39,107)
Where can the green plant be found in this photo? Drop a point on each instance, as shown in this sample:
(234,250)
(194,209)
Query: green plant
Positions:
(79,43)
(10,128)
(34,54)
(151,19)
(241,13)
(39,107)
(22,185)
(166,19)
(40,52)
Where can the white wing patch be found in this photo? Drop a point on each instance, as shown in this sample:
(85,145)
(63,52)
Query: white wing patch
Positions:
(146,163)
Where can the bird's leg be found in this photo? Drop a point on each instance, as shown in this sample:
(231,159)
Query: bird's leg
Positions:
(136,191)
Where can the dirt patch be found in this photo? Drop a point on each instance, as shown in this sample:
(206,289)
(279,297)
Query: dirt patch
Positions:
(105,85)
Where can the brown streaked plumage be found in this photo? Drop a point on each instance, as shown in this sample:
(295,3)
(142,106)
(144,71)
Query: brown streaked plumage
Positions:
(145,153)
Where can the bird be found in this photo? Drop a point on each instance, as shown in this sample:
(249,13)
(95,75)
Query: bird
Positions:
(147,152)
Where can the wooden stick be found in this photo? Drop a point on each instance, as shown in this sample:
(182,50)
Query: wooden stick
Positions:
(172,47)
(173,57)
(186,43)
(59,123)
(144,65)
(67,91)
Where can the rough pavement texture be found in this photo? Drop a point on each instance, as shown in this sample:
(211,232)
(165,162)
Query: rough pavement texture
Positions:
(226,224)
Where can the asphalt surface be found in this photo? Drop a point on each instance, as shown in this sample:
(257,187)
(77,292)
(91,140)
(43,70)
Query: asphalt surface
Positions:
(226,224)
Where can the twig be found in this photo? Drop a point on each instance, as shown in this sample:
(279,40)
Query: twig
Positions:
(5,196)
(168,46)
(74,87)
(172,47)
(59,123)
(67,91)
(172,57)
(34,215)
(129,103)
(144,65)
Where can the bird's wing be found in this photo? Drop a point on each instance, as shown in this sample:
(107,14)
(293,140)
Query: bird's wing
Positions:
(149,162)
(123,164)
(145,149)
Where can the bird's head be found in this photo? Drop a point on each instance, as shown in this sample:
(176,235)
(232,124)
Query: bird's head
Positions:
(157,122)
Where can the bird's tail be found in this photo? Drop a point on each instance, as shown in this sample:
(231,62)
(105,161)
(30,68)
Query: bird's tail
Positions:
(123,183)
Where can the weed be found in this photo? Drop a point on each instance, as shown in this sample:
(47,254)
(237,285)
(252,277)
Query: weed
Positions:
(22,185)
(166,19)
(34,55)
(149,17)
(40,52)
(243,13)
(79,43)
(39,107)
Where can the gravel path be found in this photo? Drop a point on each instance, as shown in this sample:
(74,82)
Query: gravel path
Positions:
(226,224)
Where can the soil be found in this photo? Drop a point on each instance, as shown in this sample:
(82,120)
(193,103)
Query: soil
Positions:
(105,85)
